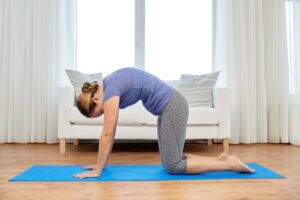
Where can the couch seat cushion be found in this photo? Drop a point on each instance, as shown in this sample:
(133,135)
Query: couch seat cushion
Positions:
(197,116)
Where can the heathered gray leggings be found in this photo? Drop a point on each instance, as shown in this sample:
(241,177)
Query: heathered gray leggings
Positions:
(171,128)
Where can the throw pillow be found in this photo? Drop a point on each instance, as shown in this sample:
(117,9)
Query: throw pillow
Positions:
(198,89)
(78,78)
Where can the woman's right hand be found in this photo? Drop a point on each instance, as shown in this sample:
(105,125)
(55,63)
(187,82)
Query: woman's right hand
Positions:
(90,167)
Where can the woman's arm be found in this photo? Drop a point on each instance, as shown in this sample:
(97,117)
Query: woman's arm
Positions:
(111,111)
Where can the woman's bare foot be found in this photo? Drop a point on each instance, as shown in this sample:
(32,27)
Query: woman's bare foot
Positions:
(238,165)
(223,156)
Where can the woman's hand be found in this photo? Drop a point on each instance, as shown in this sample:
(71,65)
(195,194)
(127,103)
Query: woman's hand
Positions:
(87,174)
(90,167)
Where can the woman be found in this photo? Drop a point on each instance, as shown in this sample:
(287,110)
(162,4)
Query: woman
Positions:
(125,87)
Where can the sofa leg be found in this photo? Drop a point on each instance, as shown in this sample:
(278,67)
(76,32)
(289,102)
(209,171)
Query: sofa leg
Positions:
(62,146)
(226,145)
(75,142)
(209,142)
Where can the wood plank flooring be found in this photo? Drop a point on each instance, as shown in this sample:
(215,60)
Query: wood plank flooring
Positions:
(15,158)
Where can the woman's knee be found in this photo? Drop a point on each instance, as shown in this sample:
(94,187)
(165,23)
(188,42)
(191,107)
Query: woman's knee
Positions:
(176,168)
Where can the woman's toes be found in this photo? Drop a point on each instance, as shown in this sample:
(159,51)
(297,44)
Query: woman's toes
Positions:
(238,165)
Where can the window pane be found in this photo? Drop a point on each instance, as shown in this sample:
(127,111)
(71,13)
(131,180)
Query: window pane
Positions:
(105,35)
(178,37)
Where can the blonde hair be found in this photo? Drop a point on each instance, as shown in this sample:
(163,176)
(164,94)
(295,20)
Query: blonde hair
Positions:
(84,101)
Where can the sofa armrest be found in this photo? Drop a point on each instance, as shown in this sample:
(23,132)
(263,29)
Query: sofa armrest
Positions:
(66,98)
(221,99)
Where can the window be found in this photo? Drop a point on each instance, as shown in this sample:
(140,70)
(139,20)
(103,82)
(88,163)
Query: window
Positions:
(165,37)
(178,37)
(105,35)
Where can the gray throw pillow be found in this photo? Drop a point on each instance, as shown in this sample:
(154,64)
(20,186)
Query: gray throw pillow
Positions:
(198,89)
(78,78)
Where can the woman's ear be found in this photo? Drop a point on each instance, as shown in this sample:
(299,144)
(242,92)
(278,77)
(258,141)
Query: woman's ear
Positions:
(95,98)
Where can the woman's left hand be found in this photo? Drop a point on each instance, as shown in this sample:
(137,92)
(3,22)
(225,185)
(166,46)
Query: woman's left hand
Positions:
(87,174)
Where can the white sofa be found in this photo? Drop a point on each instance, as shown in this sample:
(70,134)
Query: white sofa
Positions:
(136,123)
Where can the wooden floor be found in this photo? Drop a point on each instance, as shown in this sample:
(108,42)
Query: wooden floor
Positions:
(14,158)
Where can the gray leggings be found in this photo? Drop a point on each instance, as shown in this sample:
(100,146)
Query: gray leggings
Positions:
(171,128)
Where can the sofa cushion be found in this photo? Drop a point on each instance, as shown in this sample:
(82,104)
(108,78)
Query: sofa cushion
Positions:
(197,116)
(78,78)
(133,115)
(198,89)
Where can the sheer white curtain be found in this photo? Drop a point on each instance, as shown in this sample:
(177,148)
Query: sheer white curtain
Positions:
(250,48)
(294,48)
(37,41)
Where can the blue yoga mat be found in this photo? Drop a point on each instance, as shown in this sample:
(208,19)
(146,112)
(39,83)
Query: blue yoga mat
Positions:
(132,173)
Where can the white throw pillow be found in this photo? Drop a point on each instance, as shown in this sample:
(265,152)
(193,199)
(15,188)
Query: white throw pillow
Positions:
(198,89)
(78,78)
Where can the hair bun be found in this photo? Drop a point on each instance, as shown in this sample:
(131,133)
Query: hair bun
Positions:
(86,87)
(90,87)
